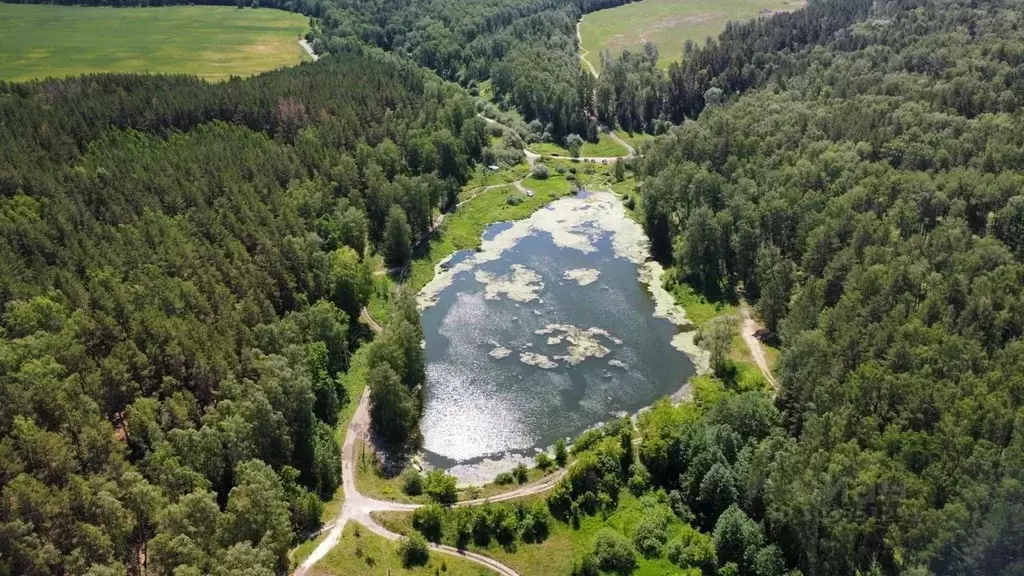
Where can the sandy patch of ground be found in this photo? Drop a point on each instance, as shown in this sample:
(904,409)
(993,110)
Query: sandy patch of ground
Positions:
(487,469)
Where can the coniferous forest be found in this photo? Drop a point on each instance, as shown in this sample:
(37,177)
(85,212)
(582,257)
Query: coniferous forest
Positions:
(182,265)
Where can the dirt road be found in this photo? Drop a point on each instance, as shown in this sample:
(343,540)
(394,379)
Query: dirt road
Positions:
(749,333)
(309,49)
(358,508)
(583,53)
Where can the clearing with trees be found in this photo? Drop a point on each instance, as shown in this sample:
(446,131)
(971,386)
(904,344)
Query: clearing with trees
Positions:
(214,42)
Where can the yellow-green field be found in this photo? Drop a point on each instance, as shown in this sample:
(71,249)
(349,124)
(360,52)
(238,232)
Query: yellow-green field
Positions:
(215,42)
(666,23)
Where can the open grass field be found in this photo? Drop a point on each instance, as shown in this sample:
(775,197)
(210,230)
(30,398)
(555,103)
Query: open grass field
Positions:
(363,553)
(666,23)
(215,42)
(605,146)
(564,544)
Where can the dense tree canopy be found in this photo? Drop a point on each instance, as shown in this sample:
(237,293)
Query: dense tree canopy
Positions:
(182,267)
(862,199)
(182,264)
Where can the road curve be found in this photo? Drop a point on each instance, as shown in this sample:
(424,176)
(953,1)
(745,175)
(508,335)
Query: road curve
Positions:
(358,508)
(532,157)
(308,48)
(494,565)
(583,53)
(749,333)
(364,315)
(539,487)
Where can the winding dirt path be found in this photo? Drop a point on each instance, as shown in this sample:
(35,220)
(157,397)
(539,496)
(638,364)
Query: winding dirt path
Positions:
(309,49)
(749,333)
(583,53)
(364,315)
(359,508)
(532,157)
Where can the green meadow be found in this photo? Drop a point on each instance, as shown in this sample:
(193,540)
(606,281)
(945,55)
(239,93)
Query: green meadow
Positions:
(666,23)
(215,42)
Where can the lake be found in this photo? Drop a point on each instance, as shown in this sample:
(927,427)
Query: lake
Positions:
(556,324)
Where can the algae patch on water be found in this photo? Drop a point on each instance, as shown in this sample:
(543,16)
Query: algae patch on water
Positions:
(521,285)
(582,276)
(500,352)
(538,360)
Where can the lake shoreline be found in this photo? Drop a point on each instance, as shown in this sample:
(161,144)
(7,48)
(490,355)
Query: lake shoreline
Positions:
(628,242)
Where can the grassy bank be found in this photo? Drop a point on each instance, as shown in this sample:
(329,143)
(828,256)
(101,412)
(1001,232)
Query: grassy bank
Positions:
(215,42)
(363,553)
(564,544)
(604,146)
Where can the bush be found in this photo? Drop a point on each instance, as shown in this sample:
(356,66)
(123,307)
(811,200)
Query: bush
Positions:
(463,529)
(573,143)
(679,507)
(514,200)
(441,487)
(640,480)
(536,524)
(429,520)
(521,473)
(506,530)
(540,172)
(414,551)
(481,526)
(614,553)
(650,534)
(561,454)
(543,462)
(560,502)
(412,483)
(630,203)
(586,567)
(504,478)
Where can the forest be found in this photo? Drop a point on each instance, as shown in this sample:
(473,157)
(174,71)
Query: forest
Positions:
(868,199)
(182,265)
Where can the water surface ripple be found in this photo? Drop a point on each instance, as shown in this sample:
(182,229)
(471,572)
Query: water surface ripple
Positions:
(546,332)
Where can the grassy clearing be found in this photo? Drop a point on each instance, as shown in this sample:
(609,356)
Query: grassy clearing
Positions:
(604,147)
(215,42)
(362,553)
(302,551)
(635,139)
(564,544)
(483,177)
(462,229)
(699,309)
(666,23)
(371,482)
